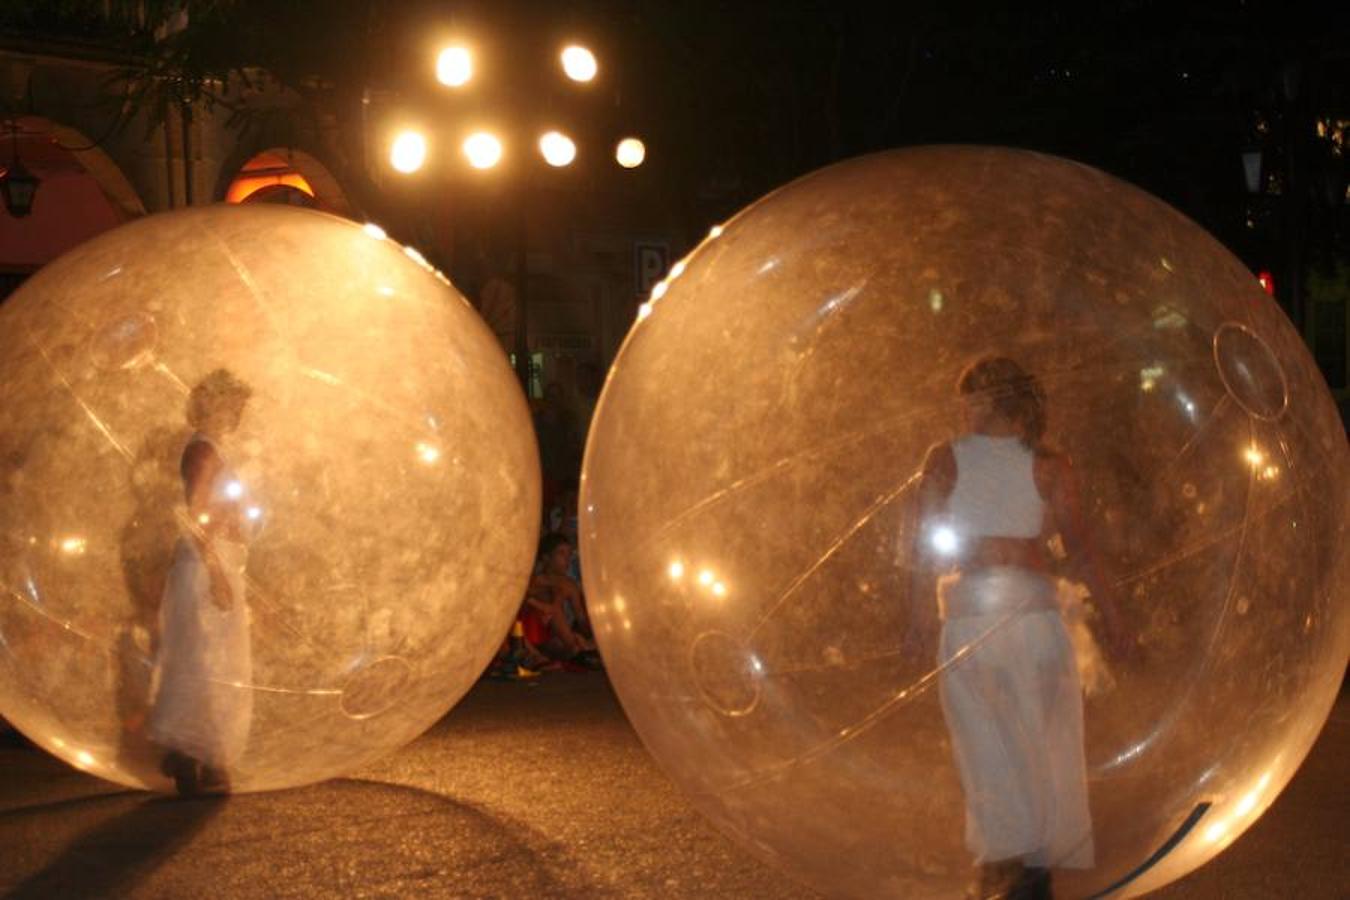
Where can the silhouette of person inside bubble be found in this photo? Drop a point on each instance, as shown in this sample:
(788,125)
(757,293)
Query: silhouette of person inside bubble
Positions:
(201,712)
(990,501)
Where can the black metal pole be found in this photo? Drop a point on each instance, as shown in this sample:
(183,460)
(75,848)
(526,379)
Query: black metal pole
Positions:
(187,153)
(522,338)
(1297,124)
(168,161)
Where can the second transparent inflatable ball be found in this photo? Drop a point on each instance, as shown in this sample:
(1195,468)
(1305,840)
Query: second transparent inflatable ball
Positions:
(752,463)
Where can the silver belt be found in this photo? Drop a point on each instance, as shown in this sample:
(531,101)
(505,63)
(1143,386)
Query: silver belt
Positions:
(996,591)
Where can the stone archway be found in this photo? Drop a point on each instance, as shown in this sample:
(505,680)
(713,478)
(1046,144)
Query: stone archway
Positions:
(81,193)
(98,164)
(287,175)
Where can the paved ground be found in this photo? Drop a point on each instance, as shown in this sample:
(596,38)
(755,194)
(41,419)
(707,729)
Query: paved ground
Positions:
(523,791)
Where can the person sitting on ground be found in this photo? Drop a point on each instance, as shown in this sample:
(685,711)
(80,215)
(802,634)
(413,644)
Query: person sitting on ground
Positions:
(554,600)
(554,570)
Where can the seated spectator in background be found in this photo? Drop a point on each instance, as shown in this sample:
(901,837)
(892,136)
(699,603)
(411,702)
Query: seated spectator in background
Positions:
(561,518)
(554,601)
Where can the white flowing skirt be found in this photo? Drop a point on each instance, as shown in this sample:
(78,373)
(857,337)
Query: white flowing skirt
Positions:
(1013,703)
(203,703)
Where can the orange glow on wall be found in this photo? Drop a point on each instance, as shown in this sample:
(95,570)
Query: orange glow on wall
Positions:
(265,170)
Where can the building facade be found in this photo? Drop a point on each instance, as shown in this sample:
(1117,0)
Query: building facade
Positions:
(582,249)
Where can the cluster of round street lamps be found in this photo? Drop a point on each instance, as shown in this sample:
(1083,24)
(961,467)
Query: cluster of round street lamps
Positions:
(483,149)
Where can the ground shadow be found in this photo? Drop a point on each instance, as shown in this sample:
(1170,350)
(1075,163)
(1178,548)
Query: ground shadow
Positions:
(112,856)
(338,838)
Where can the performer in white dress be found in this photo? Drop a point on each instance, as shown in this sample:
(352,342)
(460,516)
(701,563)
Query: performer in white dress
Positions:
(989,502)
(203,703)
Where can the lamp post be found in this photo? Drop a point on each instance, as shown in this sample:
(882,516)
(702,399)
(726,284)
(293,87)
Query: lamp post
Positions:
(455,68)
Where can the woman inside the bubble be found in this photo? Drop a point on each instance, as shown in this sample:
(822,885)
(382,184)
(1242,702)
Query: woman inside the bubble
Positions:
(990,501)
(203,703)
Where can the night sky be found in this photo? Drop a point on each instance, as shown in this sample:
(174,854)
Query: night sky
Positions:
(736,98)
(740,97)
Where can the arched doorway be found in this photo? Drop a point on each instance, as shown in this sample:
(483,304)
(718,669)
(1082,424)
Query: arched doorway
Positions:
(80,193)
(289,176)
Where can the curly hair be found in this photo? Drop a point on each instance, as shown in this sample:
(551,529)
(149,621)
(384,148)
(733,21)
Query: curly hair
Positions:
(219,389)
(1013,391)
(550,542)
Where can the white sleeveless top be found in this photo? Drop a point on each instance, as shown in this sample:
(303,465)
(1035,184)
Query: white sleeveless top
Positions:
(995,493)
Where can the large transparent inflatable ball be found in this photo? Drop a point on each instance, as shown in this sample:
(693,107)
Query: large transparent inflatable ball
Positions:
(967,519)
(267,500)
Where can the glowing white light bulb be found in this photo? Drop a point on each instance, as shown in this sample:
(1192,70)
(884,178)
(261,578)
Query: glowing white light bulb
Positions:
(630,153)
(409,152)
(557,148)
(676,570)
(579,63)
(454,66)
(483,150)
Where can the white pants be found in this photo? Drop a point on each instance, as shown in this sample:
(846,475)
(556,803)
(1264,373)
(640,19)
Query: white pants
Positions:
(1013,704)
(204,702)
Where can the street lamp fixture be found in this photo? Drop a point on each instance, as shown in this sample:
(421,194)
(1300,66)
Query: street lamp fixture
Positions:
(1251,169)
(409,152)
(579,63)
(454,66)
(557,148)
(484,150)
(17,184)
(630,153)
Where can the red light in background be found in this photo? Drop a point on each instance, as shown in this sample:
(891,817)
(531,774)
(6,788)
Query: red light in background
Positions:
(1267,281)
